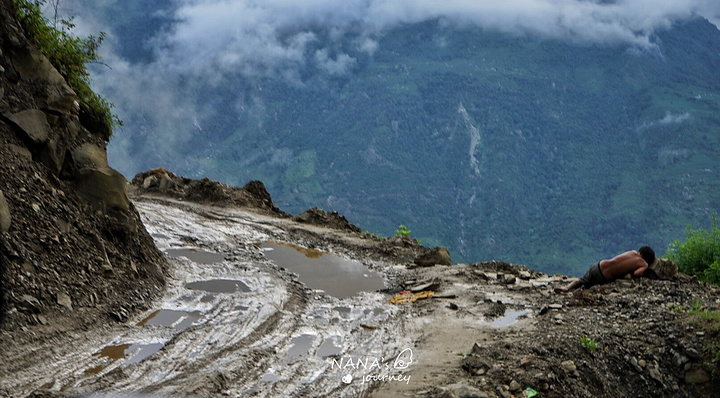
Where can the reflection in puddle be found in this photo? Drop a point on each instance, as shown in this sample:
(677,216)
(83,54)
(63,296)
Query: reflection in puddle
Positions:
(95,370)
(197,256)
(343,310)
(509,318)
(135,352)
(332,346)
(219,286)
(301,346)
(180,320)
(335,275)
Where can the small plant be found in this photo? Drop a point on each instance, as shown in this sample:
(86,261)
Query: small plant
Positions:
(69,55)
(588,343)
(699,254)
(374,236)
(403,231)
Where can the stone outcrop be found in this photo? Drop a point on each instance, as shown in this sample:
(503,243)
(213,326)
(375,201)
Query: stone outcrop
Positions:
(163,182)
(434,256)
(65,217)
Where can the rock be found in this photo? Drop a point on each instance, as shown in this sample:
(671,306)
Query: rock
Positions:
(569,366)
(30,304)
(664,267)
(515,386)
(96,182)
(656,375)
(692,353)
(31,64)
(5,218)
(434,256)
(524,275)
(433,285)
(696,376)
(149,182)
(510,279)
(679,360)
(64,301)
(20,151)
(461,390)
(33,123)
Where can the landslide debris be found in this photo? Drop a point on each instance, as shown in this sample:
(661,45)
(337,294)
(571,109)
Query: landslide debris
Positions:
(165,183)
(73,251)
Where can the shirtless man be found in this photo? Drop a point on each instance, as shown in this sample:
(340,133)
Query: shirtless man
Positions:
(606,271)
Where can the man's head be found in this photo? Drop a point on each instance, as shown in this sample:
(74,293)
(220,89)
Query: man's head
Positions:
(647,253)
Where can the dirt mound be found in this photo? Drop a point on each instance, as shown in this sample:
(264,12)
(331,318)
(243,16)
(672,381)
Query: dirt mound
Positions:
(327,219)
(73,250)
(163,182)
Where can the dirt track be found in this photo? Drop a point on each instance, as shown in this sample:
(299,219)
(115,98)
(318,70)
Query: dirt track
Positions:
(268,335)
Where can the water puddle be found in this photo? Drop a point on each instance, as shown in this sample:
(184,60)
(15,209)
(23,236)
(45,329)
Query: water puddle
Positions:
(133,352)
(301,347)
(196,255)
(509,318)
(332,346)
(95,370)
(219,286)
(270,378)
(180,320)
(335,275)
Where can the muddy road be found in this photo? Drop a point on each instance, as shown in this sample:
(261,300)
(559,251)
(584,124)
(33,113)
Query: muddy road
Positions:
(258,305)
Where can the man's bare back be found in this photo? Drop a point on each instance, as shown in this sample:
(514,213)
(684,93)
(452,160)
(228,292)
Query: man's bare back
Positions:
(631,262)
(623,264)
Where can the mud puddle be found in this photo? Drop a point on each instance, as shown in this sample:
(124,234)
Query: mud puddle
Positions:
(175,319)
(335,275)
(196,255)
(132,353)
(509,318)
(219,286)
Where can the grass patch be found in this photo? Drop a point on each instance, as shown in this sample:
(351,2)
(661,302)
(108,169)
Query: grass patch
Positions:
(69,55)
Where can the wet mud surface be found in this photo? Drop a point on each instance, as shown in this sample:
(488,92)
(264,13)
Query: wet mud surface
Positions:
(257,305)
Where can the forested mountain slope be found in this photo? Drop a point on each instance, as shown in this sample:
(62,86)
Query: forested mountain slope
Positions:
(542,151)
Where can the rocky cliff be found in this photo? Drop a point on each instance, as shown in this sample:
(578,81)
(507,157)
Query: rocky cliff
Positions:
(73,248)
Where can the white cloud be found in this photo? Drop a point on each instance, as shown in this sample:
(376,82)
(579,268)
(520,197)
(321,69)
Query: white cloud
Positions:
(668,119)
(211,39)
(339,66)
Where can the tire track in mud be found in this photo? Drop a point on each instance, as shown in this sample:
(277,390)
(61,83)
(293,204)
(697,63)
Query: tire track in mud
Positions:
(282,323)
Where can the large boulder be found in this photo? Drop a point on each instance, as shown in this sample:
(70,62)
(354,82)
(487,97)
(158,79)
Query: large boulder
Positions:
(664,267)
(33,125)
(96,182)
(36,132)
(31,65)
(434,256)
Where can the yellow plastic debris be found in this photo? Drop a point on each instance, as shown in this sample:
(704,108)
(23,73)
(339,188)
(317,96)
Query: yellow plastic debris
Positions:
(407,297)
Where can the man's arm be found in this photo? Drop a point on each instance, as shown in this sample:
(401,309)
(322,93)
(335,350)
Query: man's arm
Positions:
(638,272)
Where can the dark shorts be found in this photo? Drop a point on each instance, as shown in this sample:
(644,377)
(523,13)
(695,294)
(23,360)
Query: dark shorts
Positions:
(593,277)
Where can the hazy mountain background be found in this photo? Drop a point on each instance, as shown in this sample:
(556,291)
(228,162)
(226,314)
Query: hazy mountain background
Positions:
(551,133)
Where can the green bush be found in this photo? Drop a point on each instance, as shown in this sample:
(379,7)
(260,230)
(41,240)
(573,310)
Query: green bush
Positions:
(699,254)
(69,55)
(403,231)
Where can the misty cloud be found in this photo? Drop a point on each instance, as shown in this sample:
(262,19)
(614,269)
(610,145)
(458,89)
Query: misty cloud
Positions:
(206,41)
(264,37)
(668,119)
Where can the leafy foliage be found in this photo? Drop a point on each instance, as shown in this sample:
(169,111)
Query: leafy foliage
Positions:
(69,55)
(699,254)
(403,231)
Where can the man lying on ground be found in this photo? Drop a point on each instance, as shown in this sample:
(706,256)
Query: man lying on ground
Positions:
(606,271)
